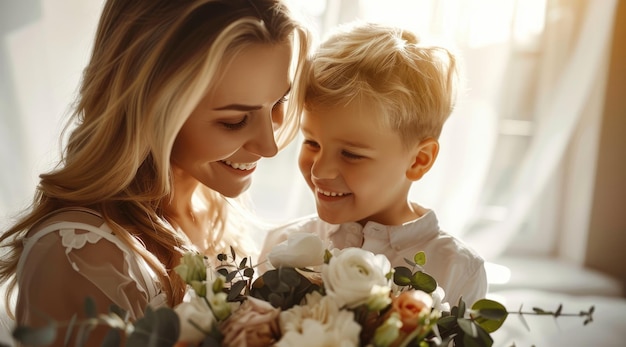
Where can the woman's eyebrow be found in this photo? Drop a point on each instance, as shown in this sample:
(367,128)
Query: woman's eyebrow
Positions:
(238,107)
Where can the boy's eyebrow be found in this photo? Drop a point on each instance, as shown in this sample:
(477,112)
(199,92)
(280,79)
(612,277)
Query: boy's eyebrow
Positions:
(356,144)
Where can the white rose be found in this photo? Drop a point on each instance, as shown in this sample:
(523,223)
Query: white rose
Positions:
(438,303)
(299,250)
(197,311)
(352,273)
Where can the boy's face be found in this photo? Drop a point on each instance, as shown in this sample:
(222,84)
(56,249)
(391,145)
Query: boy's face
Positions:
(355,167)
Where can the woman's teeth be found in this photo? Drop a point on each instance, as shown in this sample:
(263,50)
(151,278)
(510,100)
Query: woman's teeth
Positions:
(240,166)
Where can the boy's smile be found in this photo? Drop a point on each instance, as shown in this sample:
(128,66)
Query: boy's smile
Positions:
(356,167)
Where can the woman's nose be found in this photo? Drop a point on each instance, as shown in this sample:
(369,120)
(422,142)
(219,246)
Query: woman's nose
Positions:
(264,143)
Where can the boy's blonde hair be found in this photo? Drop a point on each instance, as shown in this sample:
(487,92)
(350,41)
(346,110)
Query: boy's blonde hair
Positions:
(387,68)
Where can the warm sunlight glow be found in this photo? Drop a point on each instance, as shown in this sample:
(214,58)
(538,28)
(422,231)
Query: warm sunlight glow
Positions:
(497,274)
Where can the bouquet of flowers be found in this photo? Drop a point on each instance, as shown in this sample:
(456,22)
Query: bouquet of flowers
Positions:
(317,297)
(312,297)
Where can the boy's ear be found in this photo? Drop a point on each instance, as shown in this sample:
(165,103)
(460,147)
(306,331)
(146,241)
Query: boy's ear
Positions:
(424,154)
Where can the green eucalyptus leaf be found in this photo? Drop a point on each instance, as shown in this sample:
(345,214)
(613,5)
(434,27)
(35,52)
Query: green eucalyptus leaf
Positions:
(90,307)
(222,271)
(36,336)
(462,308)
(289,276)
(420,258)
(327,256)
(120,312)
(468,327)
(410,262)
(157,328)
(446,323)
(232,253)
(490,315)
(248,272)
(482,338)
(231,275)
(113,338)
(70,329)
(235,290)
(243,263)
(402,276)
(424,282)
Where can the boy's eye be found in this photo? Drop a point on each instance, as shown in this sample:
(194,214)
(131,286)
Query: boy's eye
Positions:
(237,125)
(351,155)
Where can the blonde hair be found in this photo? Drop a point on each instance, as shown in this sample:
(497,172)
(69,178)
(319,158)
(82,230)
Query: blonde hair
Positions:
(152,62)
(411,85)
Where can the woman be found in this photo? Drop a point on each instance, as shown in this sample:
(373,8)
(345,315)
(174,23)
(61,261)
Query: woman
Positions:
(177,105)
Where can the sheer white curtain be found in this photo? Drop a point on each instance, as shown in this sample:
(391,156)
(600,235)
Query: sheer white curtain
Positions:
(513,154)
(514,170)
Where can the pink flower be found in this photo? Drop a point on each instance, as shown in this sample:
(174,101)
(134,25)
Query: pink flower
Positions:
(254,324)
(412,306)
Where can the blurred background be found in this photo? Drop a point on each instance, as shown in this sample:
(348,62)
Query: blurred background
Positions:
(532,167)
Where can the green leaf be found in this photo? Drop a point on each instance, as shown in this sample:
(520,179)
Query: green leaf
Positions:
(235,290)
(231,275)
(70,328)
(248,272)
(327,256)
(402,276)
(461,308)
(36,336)
(158,328)
(90,308)
(468,327)
(424,282)
(232,253)
(490,314)
(113,338)
(120,312)
(243,263)
(420,258)
(482,338)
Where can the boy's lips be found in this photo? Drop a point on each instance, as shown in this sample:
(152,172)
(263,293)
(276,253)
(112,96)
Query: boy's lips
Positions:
(330,194)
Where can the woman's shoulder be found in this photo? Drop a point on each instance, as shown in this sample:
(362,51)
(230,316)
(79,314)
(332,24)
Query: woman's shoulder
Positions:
(73,228)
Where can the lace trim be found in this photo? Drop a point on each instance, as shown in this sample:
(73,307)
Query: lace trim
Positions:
(71,241)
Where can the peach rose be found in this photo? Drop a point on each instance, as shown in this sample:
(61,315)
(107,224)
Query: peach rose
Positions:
(412,306)
(254,324)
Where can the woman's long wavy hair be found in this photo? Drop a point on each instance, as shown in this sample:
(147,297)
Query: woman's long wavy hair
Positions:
(152,62)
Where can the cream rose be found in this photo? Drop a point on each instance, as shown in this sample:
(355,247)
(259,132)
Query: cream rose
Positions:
(299,250)
(197,311)
(351,274)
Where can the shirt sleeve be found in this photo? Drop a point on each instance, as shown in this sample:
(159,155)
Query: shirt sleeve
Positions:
(56,280)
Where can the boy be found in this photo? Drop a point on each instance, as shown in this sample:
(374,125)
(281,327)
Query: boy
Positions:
(375,101)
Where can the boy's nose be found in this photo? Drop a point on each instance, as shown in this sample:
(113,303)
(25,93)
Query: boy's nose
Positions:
(323,168)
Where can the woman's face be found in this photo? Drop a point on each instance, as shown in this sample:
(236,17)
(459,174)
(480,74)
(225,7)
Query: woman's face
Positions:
(233,127)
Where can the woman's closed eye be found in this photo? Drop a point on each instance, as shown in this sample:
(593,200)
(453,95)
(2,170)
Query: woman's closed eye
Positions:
(311,144)
(235,125)
(280,102)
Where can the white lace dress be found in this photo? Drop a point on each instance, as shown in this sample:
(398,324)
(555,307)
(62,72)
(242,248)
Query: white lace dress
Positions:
(76,253)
